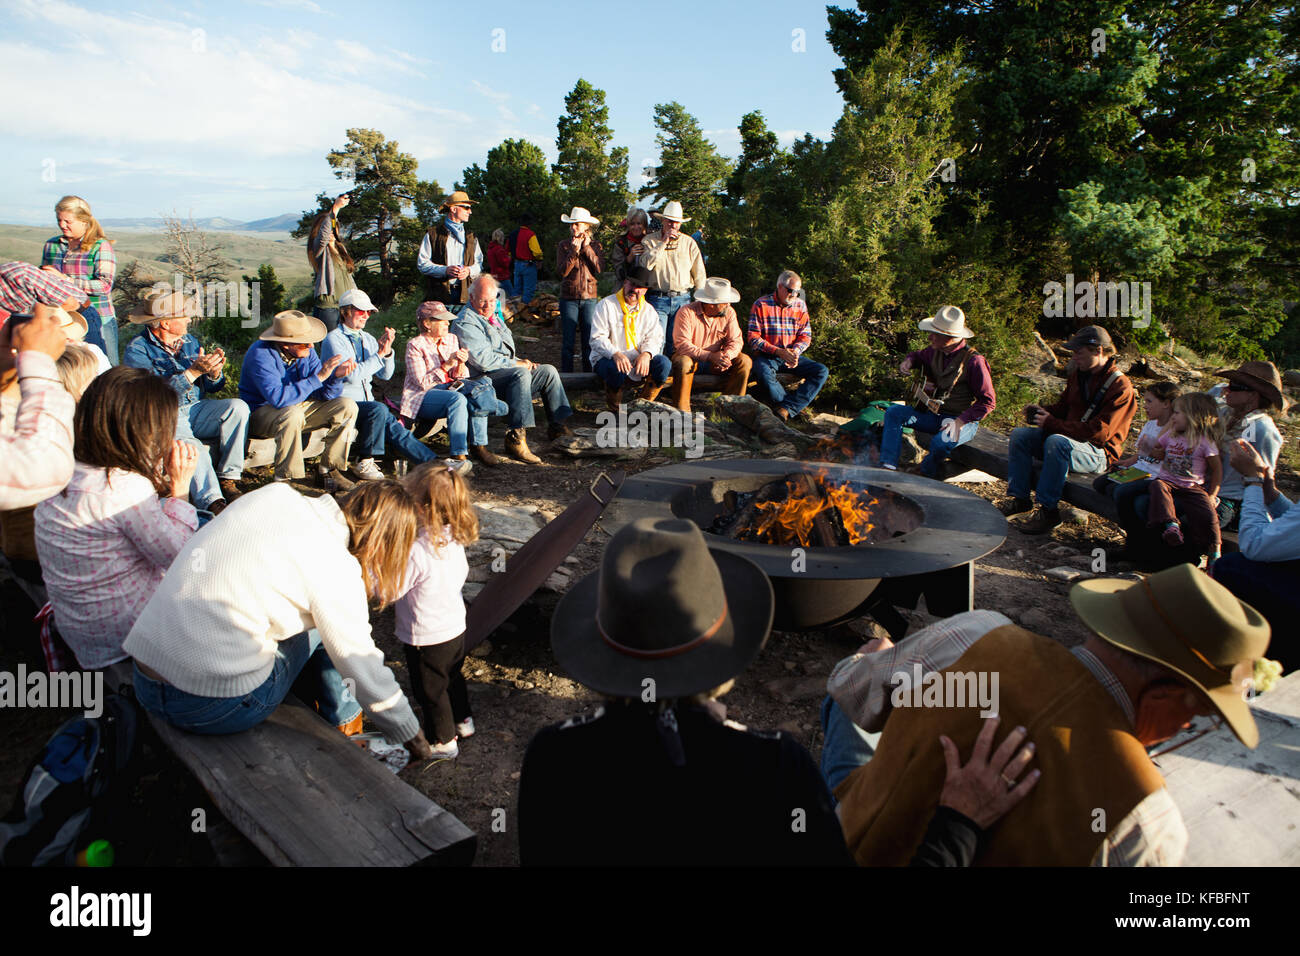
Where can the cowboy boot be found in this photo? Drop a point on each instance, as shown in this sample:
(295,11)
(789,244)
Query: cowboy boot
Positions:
(683,377)
(517,446)
(483,455)
(613,398)
(649,390)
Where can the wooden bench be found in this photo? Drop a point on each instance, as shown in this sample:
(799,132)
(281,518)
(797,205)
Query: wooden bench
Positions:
(586,381)
(305,795)
(261,451)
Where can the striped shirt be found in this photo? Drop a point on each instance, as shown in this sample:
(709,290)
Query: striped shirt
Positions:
(773,326)
(92,270)
(23,287)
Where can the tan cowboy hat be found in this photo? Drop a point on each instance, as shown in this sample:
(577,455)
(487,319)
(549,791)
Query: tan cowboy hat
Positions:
(716,291)
(73,324)
(1188,622)
(578,214)
(295,327)
(458,198)
(673,210)
(158,304)
(948,320)
(1263,377)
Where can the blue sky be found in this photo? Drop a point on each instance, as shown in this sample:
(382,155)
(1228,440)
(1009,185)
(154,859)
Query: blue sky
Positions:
(228,108)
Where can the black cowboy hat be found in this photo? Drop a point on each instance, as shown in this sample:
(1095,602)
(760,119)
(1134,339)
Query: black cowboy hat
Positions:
(662,607)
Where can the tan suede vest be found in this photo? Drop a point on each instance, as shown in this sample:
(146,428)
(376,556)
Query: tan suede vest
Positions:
(440,289)
(1089,758)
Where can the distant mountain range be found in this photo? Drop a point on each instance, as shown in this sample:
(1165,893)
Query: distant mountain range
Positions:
(284,223)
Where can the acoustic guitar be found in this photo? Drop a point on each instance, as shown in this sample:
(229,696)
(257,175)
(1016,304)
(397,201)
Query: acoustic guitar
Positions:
(921,393)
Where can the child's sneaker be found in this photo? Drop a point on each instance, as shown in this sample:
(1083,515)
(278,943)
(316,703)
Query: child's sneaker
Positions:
(1173,535)
(465,728)
(447,751)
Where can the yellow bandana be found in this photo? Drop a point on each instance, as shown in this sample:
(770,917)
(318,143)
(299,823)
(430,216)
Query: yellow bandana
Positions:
(629,322)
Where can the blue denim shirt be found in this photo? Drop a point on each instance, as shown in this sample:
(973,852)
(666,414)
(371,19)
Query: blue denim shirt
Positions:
(146,352)
(363,348)
(490,347)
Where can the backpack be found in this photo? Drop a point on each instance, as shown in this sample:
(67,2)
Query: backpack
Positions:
(74,789)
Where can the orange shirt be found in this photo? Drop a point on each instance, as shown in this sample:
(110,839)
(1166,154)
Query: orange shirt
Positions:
(696,334)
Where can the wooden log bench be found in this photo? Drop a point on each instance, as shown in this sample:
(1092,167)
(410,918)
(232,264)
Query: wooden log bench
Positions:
(261,451)
(305,795)
(587,381)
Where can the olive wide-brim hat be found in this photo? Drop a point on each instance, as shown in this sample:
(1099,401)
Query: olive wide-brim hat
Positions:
(1188,622)
(662,607)
(295,327)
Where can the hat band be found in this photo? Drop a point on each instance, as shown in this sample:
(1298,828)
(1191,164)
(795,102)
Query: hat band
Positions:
(1173,629)
(668,651)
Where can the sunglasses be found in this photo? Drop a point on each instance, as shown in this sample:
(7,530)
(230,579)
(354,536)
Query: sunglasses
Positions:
(1234,387)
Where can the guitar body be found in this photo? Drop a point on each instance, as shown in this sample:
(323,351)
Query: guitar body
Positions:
(922,392)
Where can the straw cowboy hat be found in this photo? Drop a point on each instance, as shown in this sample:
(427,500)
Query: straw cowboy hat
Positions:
(458,198)
(1263,377)
(578,214)
(948,320)
(295,327)
(157,305)
(1188,622)
(663,607)
(673,210)
(73,324)
(716,292)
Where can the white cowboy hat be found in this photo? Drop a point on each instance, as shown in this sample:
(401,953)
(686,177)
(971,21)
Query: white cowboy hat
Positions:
(578,214)
(716,292)
(948,320)
(73,324)
(673,210)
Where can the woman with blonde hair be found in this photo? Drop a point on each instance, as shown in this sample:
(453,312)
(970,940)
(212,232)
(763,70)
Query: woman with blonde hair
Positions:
(331,264)
(83,254)
(227,634)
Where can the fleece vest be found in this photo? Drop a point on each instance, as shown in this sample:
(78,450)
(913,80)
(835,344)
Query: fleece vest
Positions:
(952,385)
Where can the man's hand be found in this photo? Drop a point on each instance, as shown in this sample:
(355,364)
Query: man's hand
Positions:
(876,644)
(458,272)
(790,357)
(720,361)
(985,789)
(905,366)
(643,365)
(1248,462)
(524,363)
(419,747)
(328,366)
(638,249)
(1035,414)
(340,202)
(622,363)
(41,333)
(950,430)
(182,461)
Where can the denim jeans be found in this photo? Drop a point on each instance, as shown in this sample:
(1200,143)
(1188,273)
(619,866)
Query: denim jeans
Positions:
(1273,589)
(225,421)
(518,386)
(575,315)
(1129,497)
(660,366)
(814,375)
(379,431)
(301,664)
(847,746)
(667,306)
(108,329)
(329,316)
(898,417)
(1060,456)
(445,403)
(525,280)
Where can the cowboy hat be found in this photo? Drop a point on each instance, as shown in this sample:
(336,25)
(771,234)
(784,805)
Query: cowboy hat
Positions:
(673,210)
(716,291)
(639,276)
(74,325)
(578,214)
(948,320)
(665,608)
(1263,377)
(159,304)
(458,198)
(294,327)
(1188,622)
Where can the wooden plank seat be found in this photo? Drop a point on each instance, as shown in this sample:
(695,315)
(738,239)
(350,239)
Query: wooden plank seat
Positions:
(305,795)
(586,381)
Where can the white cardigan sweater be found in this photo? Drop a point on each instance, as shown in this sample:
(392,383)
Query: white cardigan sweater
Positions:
(273,565)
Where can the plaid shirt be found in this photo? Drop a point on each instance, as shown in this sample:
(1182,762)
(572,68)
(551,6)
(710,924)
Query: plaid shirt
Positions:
(91,270)
(23,286)
(773,326)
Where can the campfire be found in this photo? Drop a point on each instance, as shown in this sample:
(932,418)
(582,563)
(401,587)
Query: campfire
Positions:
(803,508)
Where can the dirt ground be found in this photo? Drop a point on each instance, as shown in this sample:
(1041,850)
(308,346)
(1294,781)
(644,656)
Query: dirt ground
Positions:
(516,688)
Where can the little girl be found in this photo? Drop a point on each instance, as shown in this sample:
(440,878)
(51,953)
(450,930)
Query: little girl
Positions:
(1158,402)
(1190,472)
(431,614)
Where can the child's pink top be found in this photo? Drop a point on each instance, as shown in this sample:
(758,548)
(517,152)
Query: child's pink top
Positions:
(1184,467)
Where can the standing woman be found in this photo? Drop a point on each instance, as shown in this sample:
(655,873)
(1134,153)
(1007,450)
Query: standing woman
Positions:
(628,246)
(578,262)
(331,264)
(85,256)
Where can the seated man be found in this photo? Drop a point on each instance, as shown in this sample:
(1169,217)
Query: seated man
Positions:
(958,393)
(491,347)
(376,425)
(1162,651)
(1265,573)
(778,335)
(166,348)
(1084,430)
(706,336)
(627,339)
(291,392)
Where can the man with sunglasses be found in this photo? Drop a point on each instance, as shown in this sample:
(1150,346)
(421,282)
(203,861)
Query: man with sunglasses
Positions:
(1084,430)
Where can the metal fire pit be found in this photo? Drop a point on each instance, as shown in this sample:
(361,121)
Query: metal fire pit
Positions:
(940,532)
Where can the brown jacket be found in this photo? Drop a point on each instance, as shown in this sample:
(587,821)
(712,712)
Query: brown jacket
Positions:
(578,271)
(1108,426)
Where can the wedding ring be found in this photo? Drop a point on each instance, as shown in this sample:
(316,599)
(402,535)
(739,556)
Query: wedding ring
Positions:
(1010,783)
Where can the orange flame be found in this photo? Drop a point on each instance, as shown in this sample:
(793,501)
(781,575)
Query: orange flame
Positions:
(791,521)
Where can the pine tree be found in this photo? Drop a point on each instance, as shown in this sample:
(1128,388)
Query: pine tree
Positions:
(590,174)
(516,180)
(690,168)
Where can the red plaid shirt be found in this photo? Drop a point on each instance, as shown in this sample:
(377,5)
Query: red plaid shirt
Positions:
(773,327)
(23,286)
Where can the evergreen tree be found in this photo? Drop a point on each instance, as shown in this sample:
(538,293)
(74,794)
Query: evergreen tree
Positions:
(590,174)
(516,180)
(690,169)
(270,291)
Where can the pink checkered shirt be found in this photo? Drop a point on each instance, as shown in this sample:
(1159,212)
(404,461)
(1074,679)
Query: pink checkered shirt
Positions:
(23,286)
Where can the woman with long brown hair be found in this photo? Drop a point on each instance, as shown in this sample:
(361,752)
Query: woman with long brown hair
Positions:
(276,591)
(85,255)
(106,540)
(330,262)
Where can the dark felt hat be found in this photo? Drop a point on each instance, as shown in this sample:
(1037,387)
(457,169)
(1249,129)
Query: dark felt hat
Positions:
(662,607)
(639,276)
(1263,377)
(1093,335)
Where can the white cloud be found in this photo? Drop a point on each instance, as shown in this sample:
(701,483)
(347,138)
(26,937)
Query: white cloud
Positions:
(355,57)
(290,4)
(485,90)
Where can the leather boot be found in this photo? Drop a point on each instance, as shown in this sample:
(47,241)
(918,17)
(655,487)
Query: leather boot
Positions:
(680,394)
(483,455)
(517,446)
(649,390)
(613,398)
